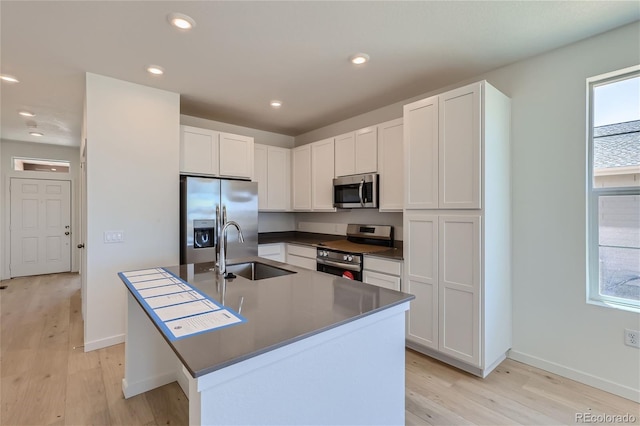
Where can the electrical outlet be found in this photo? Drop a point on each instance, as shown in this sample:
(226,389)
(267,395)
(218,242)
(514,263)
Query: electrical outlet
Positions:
(632,338)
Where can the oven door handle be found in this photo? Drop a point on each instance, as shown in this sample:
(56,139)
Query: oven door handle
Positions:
(360,187)
(348,267)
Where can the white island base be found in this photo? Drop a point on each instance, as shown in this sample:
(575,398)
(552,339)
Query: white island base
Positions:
(350,374)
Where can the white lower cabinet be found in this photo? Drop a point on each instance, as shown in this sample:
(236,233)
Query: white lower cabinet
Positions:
(276,251)
(382,272)
(302,256)
(462,312)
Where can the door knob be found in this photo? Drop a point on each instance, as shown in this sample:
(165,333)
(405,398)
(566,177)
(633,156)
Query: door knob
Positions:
(80,245)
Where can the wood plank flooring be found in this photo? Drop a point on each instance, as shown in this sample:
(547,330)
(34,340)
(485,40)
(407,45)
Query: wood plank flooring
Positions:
(46,378)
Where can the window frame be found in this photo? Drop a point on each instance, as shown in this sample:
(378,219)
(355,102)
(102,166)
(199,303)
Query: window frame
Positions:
(593,198)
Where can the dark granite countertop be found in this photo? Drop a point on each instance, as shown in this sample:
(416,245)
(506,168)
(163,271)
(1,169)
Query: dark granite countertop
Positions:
(313,239)
(279,311)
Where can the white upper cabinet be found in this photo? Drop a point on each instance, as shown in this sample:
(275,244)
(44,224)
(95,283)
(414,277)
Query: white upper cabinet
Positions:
(357,152)
(273,174)
(443,150)
(236,156)
(312,176)
(391,165)
(279,178)
(345,158)
(421,154)
(301,177)
(322,174)
(207,152)
(459,144)
(366,142)
(260,174)
(199,151)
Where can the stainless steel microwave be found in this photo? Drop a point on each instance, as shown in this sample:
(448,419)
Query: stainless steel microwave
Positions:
(356,191)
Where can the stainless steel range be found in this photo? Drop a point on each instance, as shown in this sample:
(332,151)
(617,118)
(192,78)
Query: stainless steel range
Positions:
(344,257)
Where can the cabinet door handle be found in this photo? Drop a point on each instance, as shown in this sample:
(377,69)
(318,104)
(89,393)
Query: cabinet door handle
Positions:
(80,245)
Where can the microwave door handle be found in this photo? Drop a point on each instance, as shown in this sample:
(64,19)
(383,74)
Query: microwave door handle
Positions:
(360,192)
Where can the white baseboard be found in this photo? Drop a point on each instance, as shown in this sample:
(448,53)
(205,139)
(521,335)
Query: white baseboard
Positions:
(578,376)
(103,343)
(133,389)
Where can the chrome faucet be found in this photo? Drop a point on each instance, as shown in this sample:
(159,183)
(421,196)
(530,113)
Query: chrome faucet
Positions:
(222,269)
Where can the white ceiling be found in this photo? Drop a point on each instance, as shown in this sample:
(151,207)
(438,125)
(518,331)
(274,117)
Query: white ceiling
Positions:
(243,54)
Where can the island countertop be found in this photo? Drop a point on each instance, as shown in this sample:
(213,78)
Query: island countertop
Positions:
(279,311)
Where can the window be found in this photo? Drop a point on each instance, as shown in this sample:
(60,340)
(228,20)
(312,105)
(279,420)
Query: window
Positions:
(613,189)
(40,165)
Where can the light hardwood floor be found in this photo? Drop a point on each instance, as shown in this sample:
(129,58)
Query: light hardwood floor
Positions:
(48,379)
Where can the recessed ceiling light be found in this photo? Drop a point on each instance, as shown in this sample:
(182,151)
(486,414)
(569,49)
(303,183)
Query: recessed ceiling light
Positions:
(9,78)
(275,104)
(359,58)
(181,21)
(38,134)
(26,113)
(155,70)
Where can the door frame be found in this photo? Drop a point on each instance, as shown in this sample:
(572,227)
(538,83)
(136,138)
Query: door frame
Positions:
(5,274)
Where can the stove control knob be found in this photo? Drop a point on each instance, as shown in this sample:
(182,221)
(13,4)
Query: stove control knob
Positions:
(325,253)
(344,257)
(350,258)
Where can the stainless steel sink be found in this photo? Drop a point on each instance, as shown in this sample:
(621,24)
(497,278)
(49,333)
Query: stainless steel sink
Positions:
(257,271)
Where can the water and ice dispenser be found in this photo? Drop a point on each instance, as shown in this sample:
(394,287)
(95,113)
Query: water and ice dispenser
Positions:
(203,233)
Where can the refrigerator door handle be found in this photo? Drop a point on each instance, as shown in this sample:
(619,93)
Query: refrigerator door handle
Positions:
(217,236)
(224,222)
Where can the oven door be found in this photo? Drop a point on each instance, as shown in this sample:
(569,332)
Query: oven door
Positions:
(349,271)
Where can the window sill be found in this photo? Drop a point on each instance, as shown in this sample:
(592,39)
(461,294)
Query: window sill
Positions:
(614,305)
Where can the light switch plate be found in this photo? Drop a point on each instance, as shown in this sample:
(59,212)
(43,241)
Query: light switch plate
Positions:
(113,237)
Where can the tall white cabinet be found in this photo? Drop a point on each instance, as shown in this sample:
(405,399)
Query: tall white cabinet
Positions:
(457,226)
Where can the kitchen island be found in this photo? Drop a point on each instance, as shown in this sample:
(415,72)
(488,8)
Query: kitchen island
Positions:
(314,349)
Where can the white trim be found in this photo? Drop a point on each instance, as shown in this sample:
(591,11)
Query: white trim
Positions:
(103,343)
(612,75)
(5,273)
(593,295)
(577,375)
(133,389)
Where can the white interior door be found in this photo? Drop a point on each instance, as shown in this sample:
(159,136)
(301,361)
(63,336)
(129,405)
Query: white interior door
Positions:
(40,226)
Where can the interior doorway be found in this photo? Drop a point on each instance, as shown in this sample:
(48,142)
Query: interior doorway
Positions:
(40,226)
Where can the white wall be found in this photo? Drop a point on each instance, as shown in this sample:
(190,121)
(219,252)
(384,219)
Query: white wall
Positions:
(554,328)
(336,223)
(9,150)
(133,135)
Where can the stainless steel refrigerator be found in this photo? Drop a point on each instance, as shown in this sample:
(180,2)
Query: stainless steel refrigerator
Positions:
(206,204)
